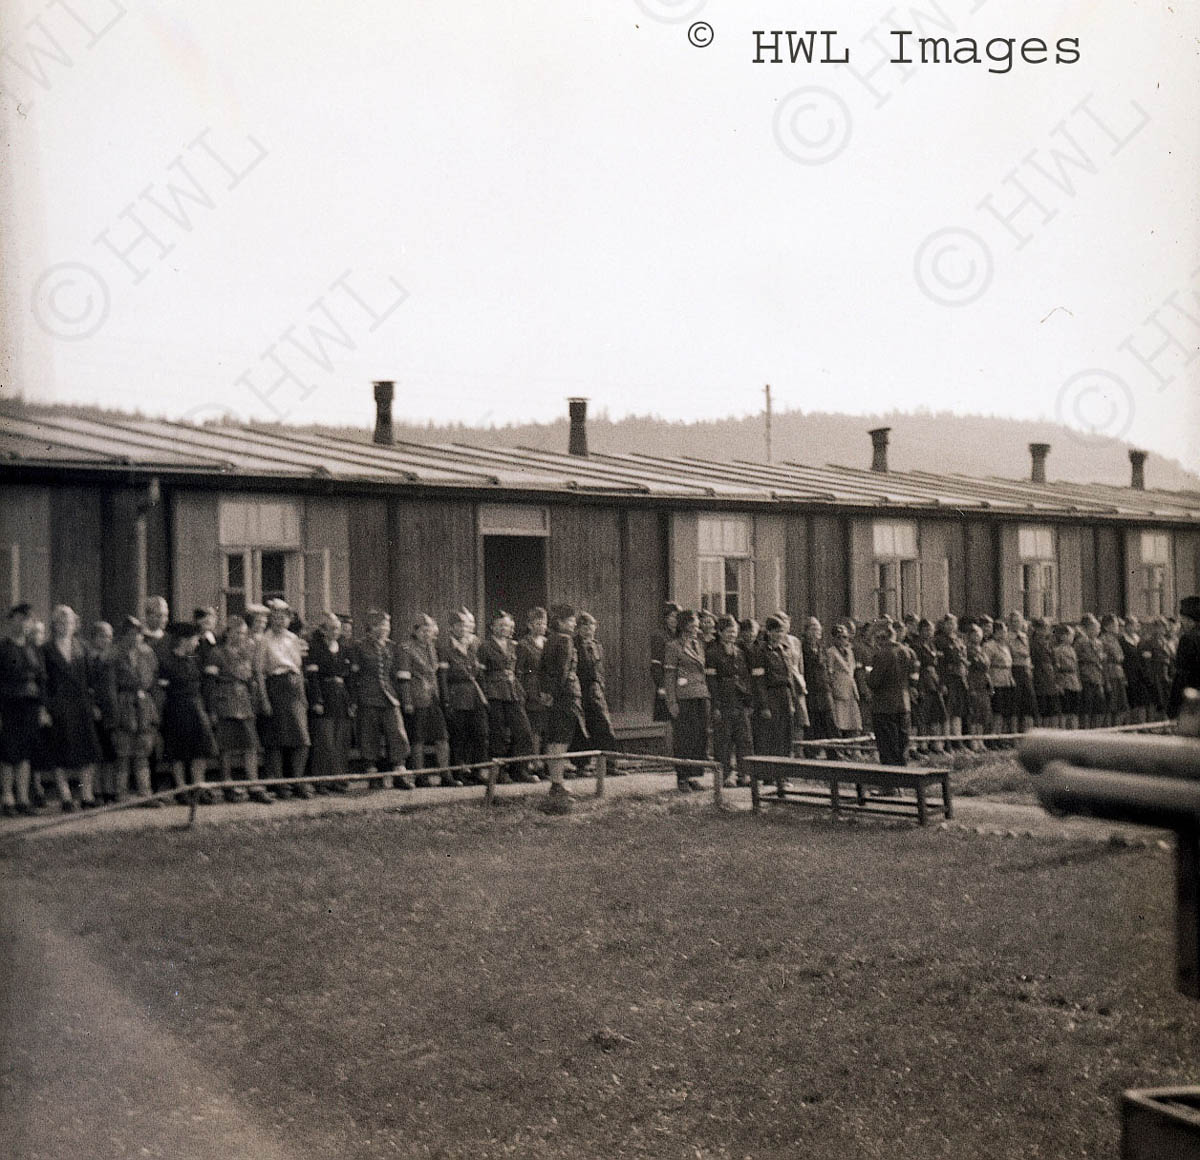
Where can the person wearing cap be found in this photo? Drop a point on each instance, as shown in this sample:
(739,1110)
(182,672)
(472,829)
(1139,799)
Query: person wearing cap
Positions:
(378,700)
(463,698)
(279,672)
(774,691)
(509,734)
(1066,675)
(529,663)
(658,649)
(688,699)
(327,672)
(593,689)
(420,702)
(231,703)
(74,747)
(728,675)
(1093,701)
(894,670)
(1187,655)
(819,698)
(22,710)
(188,740)
(842,663)
(135,738)
(1112,659)
(559,681)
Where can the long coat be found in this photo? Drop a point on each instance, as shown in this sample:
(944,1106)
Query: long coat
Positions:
(71,740)
(843,688)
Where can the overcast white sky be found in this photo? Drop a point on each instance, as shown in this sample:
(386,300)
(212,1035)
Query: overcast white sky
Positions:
(499,204)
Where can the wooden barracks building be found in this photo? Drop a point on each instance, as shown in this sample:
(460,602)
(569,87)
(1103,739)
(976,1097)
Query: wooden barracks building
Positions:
(98,513)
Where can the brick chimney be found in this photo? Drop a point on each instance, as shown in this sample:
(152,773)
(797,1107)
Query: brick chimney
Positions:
(385,392)
(879,446)
(578,410)
(1137,474)
(1037,454)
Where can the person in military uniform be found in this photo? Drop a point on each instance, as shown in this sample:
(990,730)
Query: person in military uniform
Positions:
(509,734)
(1187,655)
(688,698)
(559,682)
(465,706)
(420,702)
(378,699)
(728,675)
(135,737)
(529,663)
(774,691)
(893,672)
(327,673)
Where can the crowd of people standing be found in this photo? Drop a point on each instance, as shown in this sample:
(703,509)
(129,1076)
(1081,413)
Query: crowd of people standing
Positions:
(107,713)
(95,716)
(731,689)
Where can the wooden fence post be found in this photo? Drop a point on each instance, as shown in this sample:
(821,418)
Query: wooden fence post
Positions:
(601,771)
(489,794)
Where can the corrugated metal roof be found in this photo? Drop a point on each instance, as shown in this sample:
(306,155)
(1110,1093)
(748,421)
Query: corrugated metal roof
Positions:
(53,439)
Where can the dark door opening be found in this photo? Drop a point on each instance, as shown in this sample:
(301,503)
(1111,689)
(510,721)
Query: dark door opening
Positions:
(514,576)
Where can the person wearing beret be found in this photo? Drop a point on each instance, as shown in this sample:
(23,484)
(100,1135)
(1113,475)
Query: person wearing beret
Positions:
(728,675)
(593,688)
(529,663)
(688,698)
(465,705)
(22,710)
(1187,655)
(188,740)
(894,672)
(376,689)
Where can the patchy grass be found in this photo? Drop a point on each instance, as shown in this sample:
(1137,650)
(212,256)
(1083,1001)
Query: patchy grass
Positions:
(644,978)
(994,774)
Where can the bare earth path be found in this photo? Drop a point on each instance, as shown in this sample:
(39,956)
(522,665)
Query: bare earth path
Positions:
(86,1075)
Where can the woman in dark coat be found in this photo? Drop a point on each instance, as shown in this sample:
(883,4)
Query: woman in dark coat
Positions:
(687,698)
(418,688)
(462,695)
(658,649)
(22,710)
(728,676)
(188,740)
(774,692)
(559,680)
(102,681)
(529,665)
(73,745)
(509,734)
(279,673)
(592,686)
(821,724)
(931,704)
(952,673)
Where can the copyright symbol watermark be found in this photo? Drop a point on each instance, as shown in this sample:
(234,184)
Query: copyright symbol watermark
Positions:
(1095,405)
(672,11)
(700,35)
(812,125)
(70,301)
(953,267)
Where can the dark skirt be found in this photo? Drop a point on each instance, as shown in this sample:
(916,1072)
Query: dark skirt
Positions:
(287,725)
(691,732)
(981,708)
(19,731)
(186,731)
(1024,702)
(1004,701)
(773,737)
(661,712)
(1068,701)
(1049,705)
(426,726)
(235,735)
(931,709)
(71,741)
(561,726)
(1118,700)
(958,699)
(1092,701)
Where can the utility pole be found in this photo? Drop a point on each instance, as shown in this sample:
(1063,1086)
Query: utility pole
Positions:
(767,392)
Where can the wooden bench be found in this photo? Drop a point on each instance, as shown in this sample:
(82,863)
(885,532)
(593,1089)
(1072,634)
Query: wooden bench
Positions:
(861,775)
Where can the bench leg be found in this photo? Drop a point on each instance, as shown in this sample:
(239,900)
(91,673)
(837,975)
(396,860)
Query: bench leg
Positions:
(835,799)
(861,794)
(754,802)
(922,811)
(947,803)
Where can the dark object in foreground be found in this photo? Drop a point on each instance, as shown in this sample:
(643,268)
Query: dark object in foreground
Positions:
(889,778)
(1151,781)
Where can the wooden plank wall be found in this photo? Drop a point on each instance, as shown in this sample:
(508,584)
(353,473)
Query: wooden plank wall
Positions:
(942,582)
(797,567)
(1110,570)
(829,561)
(770,562)
(1070,572)
(1187,564)
(643,591)
(1008,536)
(431,547)
(370,556)
(196,566)
(862,569)
(326,529)
(979,555)
(76,547)
(684,553)
(25,523)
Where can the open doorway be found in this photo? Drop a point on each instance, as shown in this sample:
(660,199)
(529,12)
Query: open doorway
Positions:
(514,575)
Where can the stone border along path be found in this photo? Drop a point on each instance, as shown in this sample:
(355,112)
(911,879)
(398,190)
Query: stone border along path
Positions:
(973,815)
